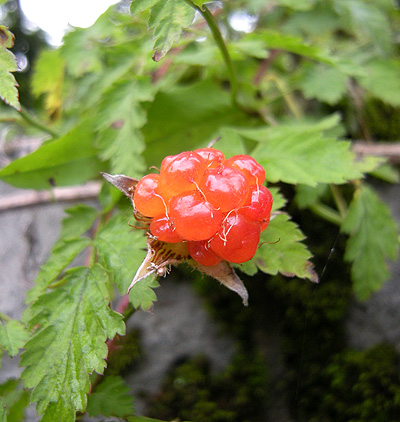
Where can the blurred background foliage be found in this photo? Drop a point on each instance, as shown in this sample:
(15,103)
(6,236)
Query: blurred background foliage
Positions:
(297,76)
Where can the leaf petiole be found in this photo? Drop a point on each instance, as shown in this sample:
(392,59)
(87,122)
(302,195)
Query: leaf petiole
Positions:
(211,22)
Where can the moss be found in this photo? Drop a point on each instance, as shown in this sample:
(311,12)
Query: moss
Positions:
(383,120)
(359,386)
(193,392)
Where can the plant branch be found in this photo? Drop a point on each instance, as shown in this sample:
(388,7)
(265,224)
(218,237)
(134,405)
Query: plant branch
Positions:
(213,25)
(339,201)
(29,198)
(4,317)
(28,118)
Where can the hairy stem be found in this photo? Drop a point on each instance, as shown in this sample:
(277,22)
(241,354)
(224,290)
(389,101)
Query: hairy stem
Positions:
(213,25)
(29,119)
(4,317)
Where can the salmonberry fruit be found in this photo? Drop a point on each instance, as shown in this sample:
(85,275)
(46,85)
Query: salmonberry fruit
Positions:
(258,205)
(193,217)
(162,228)
(211,156)
(254,173)
(147,198)
(225,187)
(237,240)
(181,173)
(201,252)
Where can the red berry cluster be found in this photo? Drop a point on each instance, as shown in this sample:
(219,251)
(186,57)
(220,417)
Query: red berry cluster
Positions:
(218,206)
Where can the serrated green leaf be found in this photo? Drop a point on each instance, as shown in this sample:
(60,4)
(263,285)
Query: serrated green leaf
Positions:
(79,220)
(48,78)
(326,84)
(301,153)
(8,64)
(189,116)
(15,399)
(122,250)
(167,18)
(276,40)
(68,160)
(13,336)
(82,48)
(382,79)
(119,120)
(373,240)
(111,398)
(142,293)
(61,256)
(366,20)
(74,322)
(281,251)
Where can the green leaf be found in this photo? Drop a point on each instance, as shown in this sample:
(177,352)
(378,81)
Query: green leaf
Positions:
(299,152)
(8,64)
(167,18)
(48,79)
(382,79)
(15,399)
(142,293)
(111,398)
(326,84)
(80,219)
(368,21)
(373,240)
(297,4)
(68,160)
(283,252)
(13,336)
(74,322)
(189,116)
(119,119)
(63,253)
(83,48)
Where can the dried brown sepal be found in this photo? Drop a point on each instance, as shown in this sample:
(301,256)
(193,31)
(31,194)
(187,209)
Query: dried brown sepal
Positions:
(160,256)
(125,184)
(226,275)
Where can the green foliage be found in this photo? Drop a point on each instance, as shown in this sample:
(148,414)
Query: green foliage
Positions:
(373,236)
(14,399)
(111,398)
(74,322)
(8,64)
(288,93)
(167,19)
(13,336)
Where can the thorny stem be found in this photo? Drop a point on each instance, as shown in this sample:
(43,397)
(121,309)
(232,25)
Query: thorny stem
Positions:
(26,116)
(212,23)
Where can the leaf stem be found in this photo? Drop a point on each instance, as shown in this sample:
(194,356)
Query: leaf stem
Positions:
(28,118)
(4,317)
(327,213)
(339,201)
(213,25)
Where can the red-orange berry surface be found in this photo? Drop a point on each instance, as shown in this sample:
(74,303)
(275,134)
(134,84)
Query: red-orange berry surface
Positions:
(217,206)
